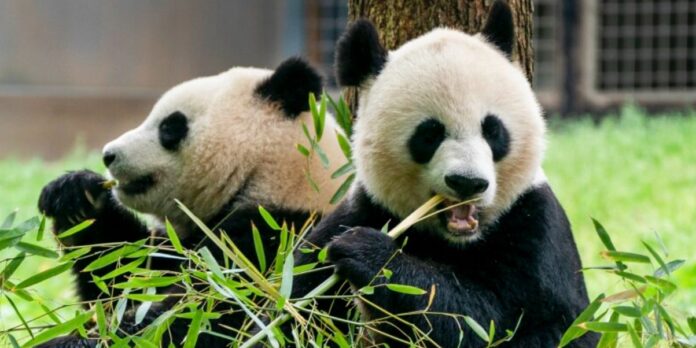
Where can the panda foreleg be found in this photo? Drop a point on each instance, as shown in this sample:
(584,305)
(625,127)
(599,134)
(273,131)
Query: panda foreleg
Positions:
(81,195)
(360,256)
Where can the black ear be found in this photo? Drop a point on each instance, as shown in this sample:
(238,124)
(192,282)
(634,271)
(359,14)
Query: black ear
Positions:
(500,28)
(290,85)
(359,54)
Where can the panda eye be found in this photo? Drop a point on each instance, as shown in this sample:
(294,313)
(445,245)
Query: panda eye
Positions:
(496,136)
(425,140)
(173,130)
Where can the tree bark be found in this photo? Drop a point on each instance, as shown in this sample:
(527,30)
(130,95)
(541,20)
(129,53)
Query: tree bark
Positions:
(401,20)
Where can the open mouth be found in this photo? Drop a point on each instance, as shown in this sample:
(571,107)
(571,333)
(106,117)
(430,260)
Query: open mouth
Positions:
(137,186)
(460,219)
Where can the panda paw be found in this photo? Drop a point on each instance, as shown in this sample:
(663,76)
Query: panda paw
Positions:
(360,253)
(73,198)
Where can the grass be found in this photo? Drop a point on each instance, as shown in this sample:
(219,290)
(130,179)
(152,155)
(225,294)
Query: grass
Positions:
(635,174)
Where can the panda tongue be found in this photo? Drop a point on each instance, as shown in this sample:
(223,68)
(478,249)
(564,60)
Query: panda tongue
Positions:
(462,217)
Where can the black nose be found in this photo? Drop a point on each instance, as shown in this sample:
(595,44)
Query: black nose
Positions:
(108,158)
(466,186)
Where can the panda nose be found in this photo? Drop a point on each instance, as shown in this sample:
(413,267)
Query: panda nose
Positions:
(108,158)
(466,186)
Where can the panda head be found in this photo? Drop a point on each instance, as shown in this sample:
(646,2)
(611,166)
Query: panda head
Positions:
(446,113)
(225,138)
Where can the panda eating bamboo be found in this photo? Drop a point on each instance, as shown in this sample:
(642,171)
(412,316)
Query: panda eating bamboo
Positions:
(448,113)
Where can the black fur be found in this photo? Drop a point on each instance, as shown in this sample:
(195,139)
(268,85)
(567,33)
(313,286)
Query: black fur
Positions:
(359,54)
(497,136)
(500,27)
(173,130)
(290,85)
(527,264)
(81,195)
(425,140)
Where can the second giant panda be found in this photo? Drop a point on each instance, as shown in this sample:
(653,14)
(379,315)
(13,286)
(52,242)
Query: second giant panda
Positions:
(222,145)
(448,113)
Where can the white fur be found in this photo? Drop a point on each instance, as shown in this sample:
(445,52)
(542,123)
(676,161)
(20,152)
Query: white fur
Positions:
(234,136)
(457,79)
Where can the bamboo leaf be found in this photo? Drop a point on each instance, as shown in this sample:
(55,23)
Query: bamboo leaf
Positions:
(634,337)
(627,311)
(344,144)
(211,262)
(37,250)
(609,339)
(12,266)
(142,342)
(669,267)
(321,257)
(76,253)
(9,220)
(406,289)
(600,326)
(322,155)
(129,267)
(75,229)
(20,316)
(666,286)
(341,192)
(603,235)
(574,331)
(110,257)
(630,276)
(101,318)
(59,330)
(286,279)
(270,221)
(147,297)
(155,282)
(173,237)
(478,329)
(692,324)
(28,225)
(656,256)
(194,327)
(303,150)
(42,228)
(41,276)
(624,256)
(344,169)
(258,246)
(367,290)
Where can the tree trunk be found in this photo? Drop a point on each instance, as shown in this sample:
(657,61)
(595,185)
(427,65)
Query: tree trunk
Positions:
(401,20)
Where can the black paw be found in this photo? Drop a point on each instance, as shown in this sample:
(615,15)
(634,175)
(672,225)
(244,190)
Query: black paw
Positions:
(69,342)
(360,253)
(73,198)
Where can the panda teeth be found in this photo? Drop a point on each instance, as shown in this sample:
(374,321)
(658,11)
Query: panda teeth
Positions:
(462,219)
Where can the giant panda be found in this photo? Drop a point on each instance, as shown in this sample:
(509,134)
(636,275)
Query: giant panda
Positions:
(222,145)
(448,113)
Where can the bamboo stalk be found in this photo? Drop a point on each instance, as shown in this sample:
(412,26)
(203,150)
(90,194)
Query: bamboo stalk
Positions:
(413,218)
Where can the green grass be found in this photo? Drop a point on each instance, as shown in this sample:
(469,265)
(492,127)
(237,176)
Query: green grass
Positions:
(637,175)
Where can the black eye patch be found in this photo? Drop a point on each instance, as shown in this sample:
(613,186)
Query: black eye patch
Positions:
(425,140)
(496,136)
(173,130)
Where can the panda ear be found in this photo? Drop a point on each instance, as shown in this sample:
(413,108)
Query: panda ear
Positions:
(499,29)
(359,54)
(290,85)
